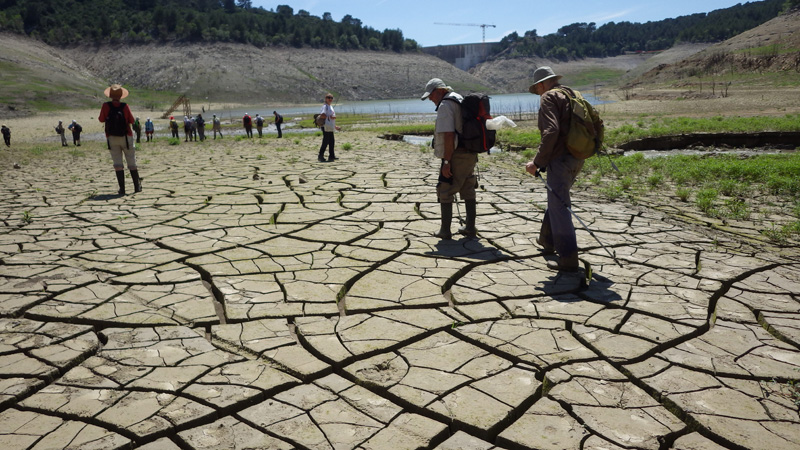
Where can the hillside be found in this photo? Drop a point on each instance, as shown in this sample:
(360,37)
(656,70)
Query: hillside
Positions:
(37,77)
(773,47)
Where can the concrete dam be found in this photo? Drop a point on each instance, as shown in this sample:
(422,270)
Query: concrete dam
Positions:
(463,56)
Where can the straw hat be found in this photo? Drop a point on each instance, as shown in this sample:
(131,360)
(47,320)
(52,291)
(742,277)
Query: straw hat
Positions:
(116,92)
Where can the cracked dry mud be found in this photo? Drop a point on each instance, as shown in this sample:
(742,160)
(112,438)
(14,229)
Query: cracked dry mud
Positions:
(311,308)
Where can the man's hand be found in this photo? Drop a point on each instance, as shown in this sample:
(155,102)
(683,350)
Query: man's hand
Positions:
(531,168)
(446,171)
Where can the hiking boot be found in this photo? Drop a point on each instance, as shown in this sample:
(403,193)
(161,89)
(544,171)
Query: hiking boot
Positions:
(562,266)
(332,158)
(546,249)
(321,159)
(447,219)
(469,229)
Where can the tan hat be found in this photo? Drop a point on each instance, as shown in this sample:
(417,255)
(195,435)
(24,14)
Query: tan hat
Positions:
(116,91)
(434,84)
(541,74)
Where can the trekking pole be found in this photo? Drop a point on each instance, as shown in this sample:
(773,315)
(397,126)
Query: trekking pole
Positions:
(455,200)
(538,175)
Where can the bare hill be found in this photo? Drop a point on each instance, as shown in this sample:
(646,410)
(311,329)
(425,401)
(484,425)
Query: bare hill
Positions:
(772,47)
(36,77)
(223,72)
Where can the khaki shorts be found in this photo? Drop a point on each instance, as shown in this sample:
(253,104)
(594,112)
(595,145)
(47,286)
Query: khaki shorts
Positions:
(463,182)
(119,146)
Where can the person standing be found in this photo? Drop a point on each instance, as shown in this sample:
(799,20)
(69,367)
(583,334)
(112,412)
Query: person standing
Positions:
(187,128)
(328,128)
(457,168)
(76,132)
(137,128)
(247,121)
(62,132)
(201,127)
(278,123)
(216,126)
(173,127)
(149,128)
(557,233)
(259,124)
(6,132)
(117,118)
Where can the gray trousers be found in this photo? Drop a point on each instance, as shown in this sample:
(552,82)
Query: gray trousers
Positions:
(557,228)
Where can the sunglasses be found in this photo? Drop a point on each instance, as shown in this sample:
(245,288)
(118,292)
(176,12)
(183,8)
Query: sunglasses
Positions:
(330,97)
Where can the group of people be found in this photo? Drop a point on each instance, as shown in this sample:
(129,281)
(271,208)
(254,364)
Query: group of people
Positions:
(76,129)
(456,172)
(457,168)
(247,122)
(149,129)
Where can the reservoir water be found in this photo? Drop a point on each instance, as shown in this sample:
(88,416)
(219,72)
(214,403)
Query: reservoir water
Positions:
(502,104)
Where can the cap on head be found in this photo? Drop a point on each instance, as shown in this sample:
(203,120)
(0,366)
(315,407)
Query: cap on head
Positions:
(116,92)
(171,117)
(434,84)
(541,74)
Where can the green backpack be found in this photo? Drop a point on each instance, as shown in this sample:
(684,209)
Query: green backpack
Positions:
(586,129)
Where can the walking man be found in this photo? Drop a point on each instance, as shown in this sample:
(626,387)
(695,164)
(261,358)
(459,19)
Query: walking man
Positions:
(137,128)
(248,125)
(61,132)
(76,132)
(278,123)
(201,127)
(6,134)
(457,169)
(173,127)
(149,128)
(557,233)
(216,126)
(259,123)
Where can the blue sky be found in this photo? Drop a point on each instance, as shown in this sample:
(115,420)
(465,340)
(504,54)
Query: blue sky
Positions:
(416,18)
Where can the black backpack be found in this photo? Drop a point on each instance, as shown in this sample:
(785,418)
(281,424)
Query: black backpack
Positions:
(475,111)
(116,125)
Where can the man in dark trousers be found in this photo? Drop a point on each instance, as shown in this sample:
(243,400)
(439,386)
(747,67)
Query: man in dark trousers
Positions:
(247,121)
(76,132)
(557,233)
(278,122)
(6,134)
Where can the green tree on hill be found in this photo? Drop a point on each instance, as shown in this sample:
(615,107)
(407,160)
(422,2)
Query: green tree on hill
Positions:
(580,40)
(68,22)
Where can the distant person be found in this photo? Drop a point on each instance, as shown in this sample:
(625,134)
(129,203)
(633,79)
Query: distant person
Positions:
(259,124)
(76,132)
(457,169)
(137,128)
(557,233)
(62,132)
(187,128)
(6,134)
(149,129)
(216,126)
(278,122)
(328,140)
(173,127)
(201,127)
(247,121)
(194,128)
(118,119)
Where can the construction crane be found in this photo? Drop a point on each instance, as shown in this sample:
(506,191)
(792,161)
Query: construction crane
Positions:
(482,25)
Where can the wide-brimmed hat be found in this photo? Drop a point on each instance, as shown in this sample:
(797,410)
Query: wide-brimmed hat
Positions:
(116,91)
(541,74)
(434,84)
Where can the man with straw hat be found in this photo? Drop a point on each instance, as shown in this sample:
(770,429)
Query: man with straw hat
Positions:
(557,233)
(118,118)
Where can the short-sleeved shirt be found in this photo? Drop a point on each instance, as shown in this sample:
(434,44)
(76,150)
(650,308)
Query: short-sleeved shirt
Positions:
(448,120)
